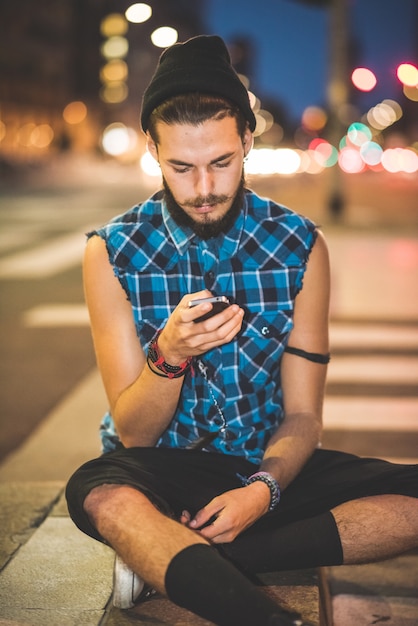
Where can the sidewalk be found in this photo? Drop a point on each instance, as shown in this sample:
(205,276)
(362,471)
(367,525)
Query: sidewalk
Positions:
(59,577)
(51,574)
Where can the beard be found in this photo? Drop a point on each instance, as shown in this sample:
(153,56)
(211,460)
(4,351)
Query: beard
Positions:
(208,228)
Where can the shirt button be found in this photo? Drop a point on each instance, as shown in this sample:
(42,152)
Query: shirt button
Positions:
(265,331)
(209,279)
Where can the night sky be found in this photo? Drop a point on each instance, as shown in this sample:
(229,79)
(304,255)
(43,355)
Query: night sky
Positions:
(290,45)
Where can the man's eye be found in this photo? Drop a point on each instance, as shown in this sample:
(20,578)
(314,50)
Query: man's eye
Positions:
(181,170)
(222,164)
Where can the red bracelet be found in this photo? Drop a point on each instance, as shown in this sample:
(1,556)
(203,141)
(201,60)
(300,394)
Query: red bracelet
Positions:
(157,359)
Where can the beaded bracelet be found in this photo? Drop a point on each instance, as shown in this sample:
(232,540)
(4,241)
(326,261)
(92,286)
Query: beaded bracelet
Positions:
(271,483)
(168,371)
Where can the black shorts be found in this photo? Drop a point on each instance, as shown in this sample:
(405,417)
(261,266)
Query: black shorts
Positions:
(177,480)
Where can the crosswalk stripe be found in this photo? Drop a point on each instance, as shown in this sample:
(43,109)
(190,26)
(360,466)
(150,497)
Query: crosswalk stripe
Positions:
(47,260)
(374,369)
(10,239)
(354,413)
(54,315)
(372,336)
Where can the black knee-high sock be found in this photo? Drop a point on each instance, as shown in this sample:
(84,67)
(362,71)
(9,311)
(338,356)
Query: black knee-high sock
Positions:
(201,580)
(312,542)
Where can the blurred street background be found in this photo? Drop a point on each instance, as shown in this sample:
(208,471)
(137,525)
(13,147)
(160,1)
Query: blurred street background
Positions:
(336,139)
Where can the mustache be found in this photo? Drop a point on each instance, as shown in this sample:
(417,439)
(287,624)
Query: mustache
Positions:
(211,199)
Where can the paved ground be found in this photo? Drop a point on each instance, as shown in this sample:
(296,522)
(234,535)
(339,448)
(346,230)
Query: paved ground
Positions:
(50,573)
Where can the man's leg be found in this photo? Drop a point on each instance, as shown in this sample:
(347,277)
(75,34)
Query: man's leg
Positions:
(377,527)
(335,512)
(177,561)
(359,531)
(144,538)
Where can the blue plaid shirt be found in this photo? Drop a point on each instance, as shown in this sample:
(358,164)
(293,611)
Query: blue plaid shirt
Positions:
(259,263)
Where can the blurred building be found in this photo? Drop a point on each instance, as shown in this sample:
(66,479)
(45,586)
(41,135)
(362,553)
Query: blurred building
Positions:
(51,56)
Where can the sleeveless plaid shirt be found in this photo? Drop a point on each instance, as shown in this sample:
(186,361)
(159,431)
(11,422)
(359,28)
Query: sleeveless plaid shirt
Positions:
(259,264)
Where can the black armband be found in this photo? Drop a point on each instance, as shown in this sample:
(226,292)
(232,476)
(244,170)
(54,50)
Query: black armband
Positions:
(316,357)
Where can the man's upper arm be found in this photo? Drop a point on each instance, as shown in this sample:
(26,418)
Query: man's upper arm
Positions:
(304,381)
(118,351)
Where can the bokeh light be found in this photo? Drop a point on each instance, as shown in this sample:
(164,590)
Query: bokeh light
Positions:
(149,165)
(323,152)
(42,136)
(114,92)
(113,24)
(309,163)
(273,136)
(411,93)
(268,161)
(164,36)
(118,139)
(31,135)
(138,13)
(350,161)
(363,79)
(24,134)
(115,70)
(75,112)
(384,114)
(314,118)
(371,153)
(400,160)
(408,74)
(115,47)
(359,133)
(287,161)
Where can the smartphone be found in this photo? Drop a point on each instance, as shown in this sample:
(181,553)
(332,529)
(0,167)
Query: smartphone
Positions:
(219,303)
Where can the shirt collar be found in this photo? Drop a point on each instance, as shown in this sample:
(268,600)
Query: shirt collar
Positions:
(227,243)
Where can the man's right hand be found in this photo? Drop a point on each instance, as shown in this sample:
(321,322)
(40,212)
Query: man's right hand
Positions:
(182,337)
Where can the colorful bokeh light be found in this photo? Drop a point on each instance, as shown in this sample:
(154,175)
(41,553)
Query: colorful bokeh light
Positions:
(359,133)
(350,161)
(364,79)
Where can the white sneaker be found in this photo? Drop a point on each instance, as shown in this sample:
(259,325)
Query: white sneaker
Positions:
(127,585)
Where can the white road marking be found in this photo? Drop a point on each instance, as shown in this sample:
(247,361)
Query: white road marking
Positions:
(368,413)
(54,315)
(373,336)
(374,369)
(47,260)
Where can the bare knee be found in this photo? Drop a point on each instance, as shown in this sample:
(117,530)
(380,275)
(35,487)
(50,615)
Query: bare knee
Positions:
(108,500)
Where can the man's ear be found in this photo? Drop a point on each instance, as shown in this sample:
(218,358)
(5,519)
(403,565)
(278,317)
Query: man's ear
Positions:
(152,147)
(247,141)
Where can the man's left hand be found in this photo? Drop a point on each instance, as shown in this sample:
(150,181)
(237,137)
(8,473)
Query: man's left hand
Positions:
(229,514)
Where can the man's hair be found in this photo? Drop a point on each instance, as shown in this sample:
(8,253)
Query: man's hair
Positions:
(194,109)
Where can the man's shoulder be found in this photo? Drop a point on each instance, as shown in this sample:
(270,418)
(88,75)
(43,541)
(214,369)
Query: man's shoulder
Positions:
(267,210)
(137,232)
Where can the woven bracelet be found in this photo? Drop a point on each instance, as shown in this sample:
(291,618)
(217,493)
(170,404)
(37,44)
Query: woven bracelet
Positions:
(168,371)
(271,483)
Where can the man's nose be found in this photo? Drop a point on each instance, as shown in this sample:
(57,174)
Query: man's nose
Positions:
(204,183)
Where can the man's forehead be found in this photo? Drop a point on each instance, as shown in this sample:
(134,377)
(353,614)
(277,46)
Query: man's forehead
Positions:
(206,136)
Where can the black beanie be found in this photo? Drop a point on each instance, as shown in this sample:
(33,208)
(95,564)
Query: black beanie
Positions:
(201,64)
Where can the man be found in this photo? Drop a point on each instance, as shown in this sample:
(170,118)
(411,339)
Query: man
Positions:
(212,467)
